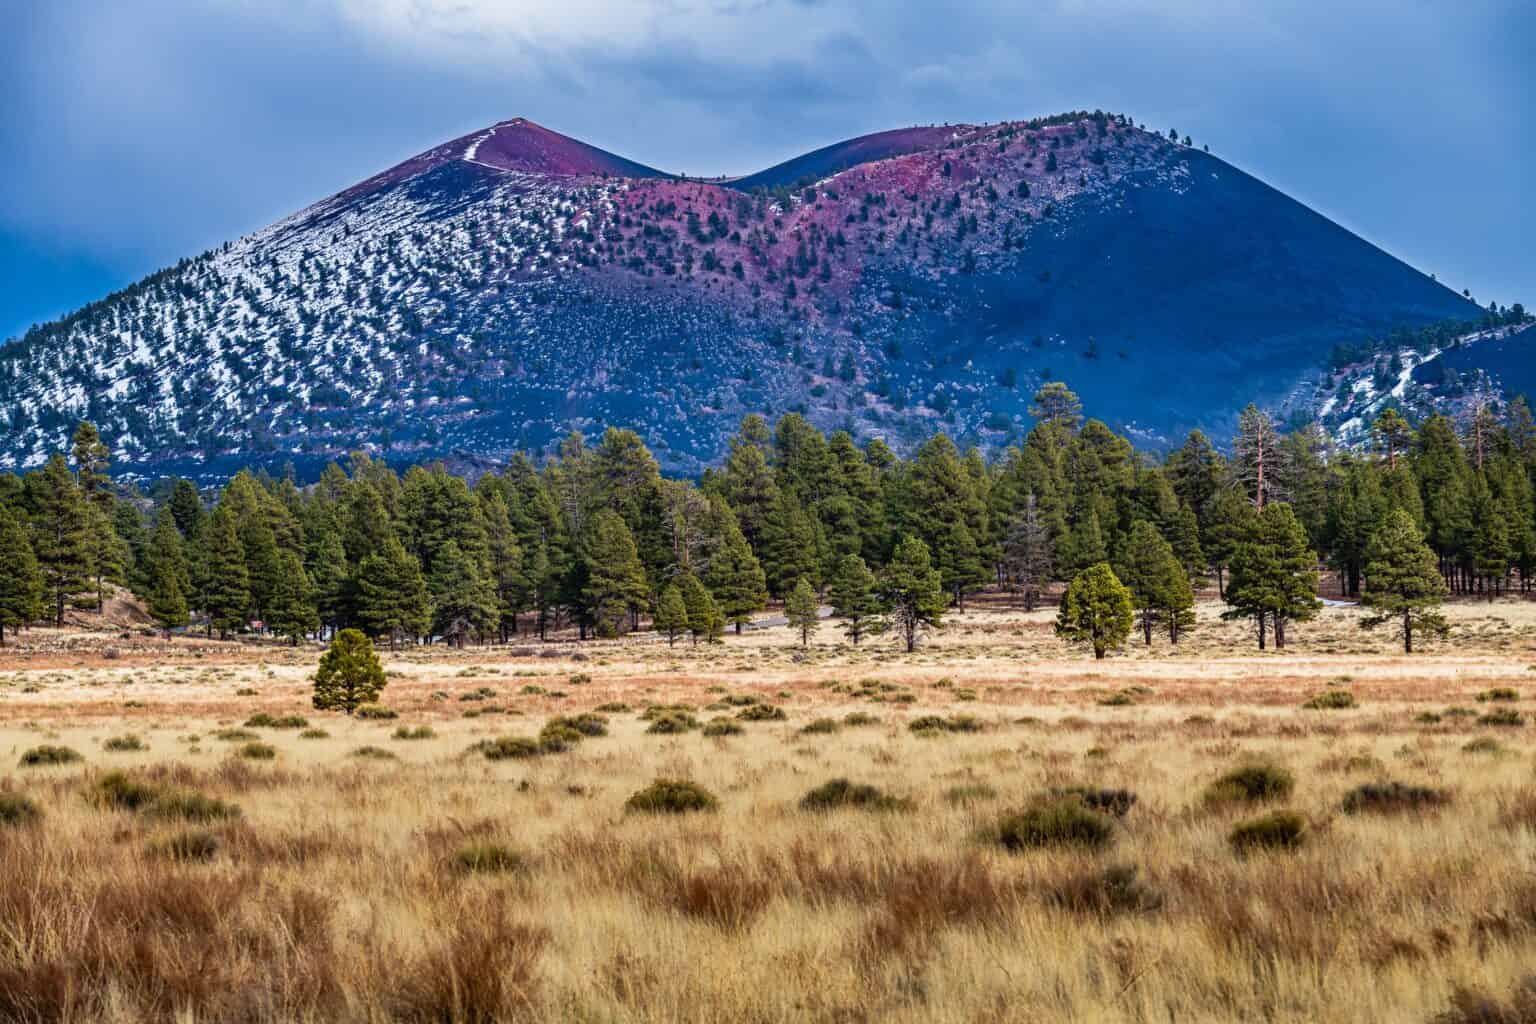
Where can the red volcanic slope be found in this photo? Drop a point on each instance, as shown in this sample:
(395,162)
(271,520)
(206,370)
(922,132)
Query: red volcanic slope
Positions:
(515,145)
(840,156)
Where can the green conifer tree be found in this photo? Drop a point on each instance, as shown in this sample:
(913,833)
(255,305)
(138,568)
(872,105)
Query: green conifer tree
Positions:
(1096,610)
(1403,585)
(855,599)
(616,587)
(671,619)
(704,618)
(803,610)
(226,595)
(293,615)
(392,598)
(913,591)
(21,583)
(60,524)
(349,674)
(734,576)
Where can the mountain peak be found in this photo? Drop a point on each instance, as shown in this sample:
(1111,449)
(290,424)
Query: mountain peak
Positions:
(517,145)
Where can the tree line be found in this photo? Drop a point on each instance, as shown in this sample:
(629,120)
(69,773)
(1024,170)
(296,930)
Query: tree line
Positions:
(594,538)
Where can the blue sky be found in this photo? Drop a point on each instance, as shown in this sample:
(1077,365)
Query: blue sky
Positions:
(137,133)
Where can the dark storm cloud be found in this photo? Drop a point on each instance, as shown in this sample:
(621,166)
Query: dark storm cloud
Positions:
(138,133)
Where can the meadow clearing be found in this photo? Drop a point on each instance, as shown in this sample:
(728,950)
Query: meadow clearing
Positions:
(1052,842)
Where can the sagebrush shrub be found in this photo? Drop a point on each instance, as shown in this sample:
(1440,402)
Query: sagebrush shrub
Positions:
(1252,782)
(1277,830)
(488,858)
(127,744)
(858,718)
(375,753)
(723,727)
(1504,718)
(1062,821)
(18,811)
(376,712)
(842,793)
(1330,700)
(820,727)
(257,751)
(672,796)
(505,747)
(1392,798)
(1499,693)
(672,722)
(1117,802)
(419,732)
(49,754)
(969,793)
(761,713)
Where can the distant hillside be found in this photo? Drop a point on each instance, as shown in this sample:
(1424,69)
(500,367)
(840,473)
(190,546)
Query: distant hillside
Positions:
(514,284)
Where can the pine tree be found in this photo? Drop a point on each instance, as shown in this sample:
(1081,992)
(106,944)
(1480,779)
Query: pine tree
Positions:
(293,615)
(107,555)
(704,618)
(803,610)
(1027,552)
(327,569)
(788,548)
(855,599)
(60,523)
(671,619)
(1403,584)
(1274,575)
(226,595)
(1152,573)
(506,561)
(913,590)
(167,603)
(349,674)
(1491,548)
(392,598)
(1184,536)
(1095,610)
(734,576)
(1393,436)
(616,586)
(1083,545)
(1258,460)
(21,583)
(463,600)
(186,507)
(92,459)
(1233,523)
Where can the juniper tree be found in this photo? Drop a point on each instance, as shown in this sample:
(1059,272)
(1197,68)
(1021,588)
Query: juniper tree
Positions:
(21,583)
(855,599)
(349,674)
(671,618)
(1403,585)
(803,610)
(1096,610)
(913,591)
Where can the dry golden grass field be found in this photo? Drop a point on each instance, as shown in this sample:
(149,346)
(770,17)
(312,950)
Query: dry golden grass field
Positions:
(388,869)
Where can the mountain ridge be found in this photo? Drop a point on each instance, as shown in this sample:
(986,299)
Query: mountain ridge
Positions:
(513,283)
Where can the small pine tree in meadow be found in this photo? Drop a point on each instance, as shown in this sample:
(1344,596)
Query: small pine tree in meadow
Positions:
(1096,610)
(1403,584)
(802,608)
(855,599)
(914,591)
(349,675)
(671,618)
